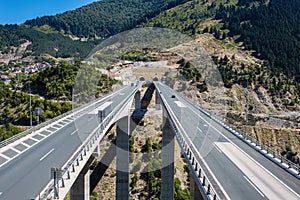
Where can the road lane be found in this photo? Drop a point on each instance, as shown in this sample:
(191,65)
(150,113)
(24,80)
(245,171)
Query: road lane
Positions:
(266,183)
(231,177)
(27,174)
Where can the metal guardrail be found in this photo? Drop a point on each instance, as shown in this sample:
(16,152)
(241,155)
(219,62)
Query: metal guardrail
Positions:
(193,160)
(48,190)
(249,140)
(33,129)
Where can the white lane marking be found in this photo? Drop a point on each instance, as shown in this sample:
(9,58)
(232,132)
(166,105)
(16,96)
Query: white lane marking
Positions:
(209,170)
(16,150)
(55,129)
(1,193)
(199,129)
(180,104)
(217,148)
(121,94)
(34,139)
(248,156)
(205,125)
(90,119)
(254,186)
(272,188)
(26,145)
(74,132)
(47,154)
(6,157)
(41,135)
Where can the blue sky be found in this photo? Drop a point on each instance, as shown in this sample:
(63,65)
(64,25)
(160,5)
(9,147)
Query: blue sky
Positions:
(18,11)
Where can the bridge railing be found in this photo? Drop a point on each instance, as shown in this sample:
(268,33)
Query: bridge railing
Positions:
(76,157)
(35,128)
(84,148)
(265,150)
(203,180)
(31,130)
(270,153)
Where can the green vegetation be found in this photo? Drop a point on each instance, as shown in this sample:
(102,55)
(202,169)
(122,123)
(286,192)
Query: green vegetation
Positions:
(135,56)
(277,83)
(88,25)
(57,82)
(192,75)
(94,196)
(190,18)
(52,83)
(54,44)
(8,130)
(14,107)
(271,29)
(179,193)
(104,18)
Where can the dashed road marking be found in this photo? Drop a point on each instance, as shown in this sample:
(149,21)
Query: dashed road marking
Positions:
(74,132)
(47,154)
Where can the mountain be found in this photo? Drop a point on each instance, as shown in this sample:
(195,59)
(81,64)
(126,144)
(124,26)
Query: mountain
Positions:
(75,33)
(257,38)
(105,18)
(41,43)
(271,28)
(268,29)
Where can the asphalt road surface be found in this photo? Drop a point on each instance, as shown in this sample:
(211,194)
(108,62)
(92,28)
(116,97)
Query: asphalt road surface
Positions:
(240,171)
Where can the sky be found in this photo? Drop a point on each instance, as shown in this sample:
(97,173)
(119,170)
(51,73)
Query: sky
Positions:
(18,11)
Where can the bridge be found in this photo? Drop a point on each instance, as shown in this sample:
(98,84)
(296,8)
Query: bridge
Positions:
(54,158)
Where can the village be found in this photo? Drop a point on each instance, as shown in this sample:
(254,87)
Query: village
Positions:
(21,67)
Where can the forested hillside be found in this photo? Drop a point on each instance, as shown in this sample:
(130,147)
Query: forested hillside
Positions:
(57,82)
(106,17)
(271,29)
(52,43)
(96,21)
(14,107)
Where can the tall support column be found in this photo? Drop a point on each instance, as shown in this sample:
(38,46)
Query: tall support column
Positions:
(167,173)
(80,189)
(137,100)
(157,101)
(195,193)
(122,153)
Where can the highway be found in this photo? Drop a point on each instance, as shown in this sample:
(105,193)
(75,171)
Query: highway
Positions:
(239,171)
(27,170)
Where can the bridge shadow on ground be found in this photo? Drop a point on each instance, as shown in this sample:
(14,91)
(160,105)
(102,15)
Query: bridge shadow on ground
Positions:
(108,157)
(138,114)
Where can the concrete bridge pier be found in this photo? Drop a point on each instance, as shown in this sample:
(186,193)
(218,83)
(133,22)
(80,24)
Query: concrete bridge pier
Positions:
(137,100)
(80,189)
(195,193)
(122,156)
(157,101)
(167,173)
